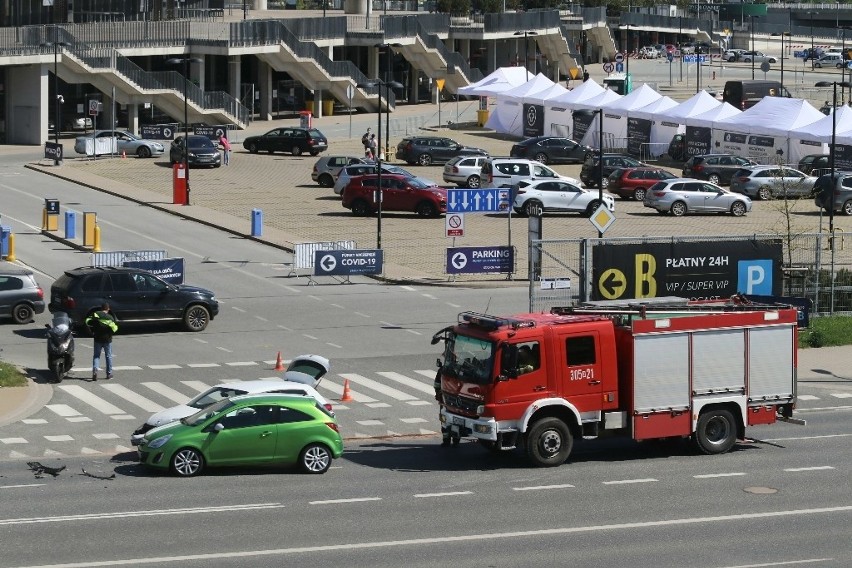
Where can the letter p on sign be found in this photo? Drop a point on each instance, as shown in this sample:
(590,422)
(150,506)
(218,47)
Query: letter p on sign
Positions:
(755,277)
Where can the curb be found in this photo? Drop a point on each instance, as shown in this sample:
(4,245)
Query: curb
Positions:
(36,396)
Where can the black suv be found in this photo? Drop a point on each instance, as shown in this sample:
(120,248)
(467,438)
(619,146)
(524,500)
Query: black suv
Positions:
(590,173)
(20,295)
(814,164)
(134,295)
(289,139)
(428,150)
(550,150)
(715,168)
(202,151)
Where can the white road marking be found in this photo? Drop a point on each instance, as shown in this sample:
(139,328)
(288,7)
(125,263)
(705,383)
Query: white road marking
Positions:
(203,365)
(21,485)
(285,328)
(413,420)
(453,305)
(224,349)
(34,421)
(336,501)
(391,325)
(61,438)
(196,385)
(127,368)
(806,438)
(200,340)
(842,395)
(334,345)
(337,306)
(712,475)
(378,405)
(370,422)
(377,386)
(413,332)
(311,337)
(338,391)
(167,391)
(814,468)
(91,399)
(78,419)
(627,481)
(539,487)
(430,374)
(14,440)
(807,397)
(419,403)
(163,367)
(238,309)
(447,494)
(430,296)
(132,397)
(261,318)
(409,288)
(123,417)
(106,436)
(241,363)
(361,314)
(409,382)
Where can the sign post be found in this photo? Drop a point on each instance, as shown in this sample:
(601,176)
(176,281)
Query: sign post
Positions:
(350,93)
(440,85)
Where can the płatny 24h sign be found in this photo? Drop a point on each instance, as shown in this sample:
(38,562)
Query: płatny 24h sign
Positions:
(479,260)
(347,262)
(695,270)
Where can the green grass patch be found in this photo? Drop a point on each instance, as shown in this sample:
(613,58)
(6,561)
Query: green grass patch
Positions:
(827,332)
(10,376)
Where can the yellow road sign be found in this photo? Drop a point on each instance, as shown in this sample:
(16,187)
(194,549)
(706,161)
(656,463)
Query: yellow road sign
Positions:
(440,83)
(575,72)
(612,284)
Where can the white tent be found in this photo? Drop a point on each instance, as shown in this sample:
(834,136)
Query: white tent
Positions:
(649,135)
(545,96)
(699,128)
(762,132)
(698,103)
(615,118)
(815,138)
(506,115)
(707,118)
(557,111)
(500,80)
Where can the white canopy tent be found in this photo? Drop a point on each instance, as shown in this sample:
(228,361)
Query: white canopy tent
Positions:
(506,115)
(542,97)
(615,118)
(708,117)
(815,138)
(699,128)
(647,132)
(500,80)
(762,132)
(557,111)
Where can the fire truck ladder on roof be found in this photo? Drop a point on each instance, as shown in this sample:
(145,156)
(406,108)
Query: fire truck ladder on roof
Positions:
(667,304)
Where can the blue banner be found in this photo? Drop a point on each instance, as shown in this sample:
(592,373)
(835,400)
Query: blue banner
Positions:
(169,269)
(480,260)
(347,262)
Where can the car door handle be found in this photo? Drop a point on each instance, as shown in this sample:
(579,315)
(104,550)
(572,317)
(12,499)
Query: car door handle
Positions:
(265,434)
(539,388)
(594,382)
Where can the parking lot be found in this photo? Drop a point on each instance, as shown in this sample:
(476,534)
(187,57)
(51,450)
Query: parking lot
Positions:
(295,209)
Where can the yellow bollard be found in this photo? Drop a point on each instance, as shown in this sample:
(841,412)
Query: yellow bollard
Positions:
(44,219)
(11,256)
(97,247)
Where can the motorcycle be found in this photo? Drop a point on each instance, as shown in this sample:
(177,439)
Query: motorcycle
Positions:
(60,345)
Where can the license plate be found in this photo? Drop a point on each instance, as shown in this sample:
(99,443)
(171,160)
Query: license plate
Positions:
(457,420)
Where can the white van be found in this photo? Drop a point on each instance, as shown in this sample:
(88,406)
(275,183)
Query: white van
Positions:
(506,172)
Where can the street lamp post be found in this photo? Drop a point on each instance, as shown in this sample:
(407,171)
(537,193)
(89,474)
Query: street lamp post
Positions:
(627,51)
(185,61)
(831,165)
(389,57)
(526,33)
(752,46)
(813,51)
(680,33)
(58,100)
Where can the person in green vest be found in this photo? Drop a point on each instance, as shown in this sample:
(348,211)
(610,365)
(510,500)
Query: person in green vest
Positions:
(103,327)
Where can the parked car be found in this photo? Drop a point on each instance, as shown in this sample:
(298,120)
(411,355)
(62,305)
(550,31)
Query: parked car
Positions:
(551,150)
(633,183)
(79,123)
(201,151)
(399,193)
(757,57)
(814,53)
(813,164)
(134,295)
(649,52)
(288,139)
(746,94)
(766,182)
(327,168)
(252,429)
(295,382)
(506,172)
(837,190)
(558,197)
(20,295)
(590,171)
(126,143)
(680,196)
(830,60)
(427,150)
(715,168)
(346,174)
(687,48)
(732,55)
(464,171)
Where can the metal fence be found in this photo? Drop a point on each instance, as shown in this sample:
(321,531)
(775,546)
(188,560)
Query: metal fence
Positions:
(561,271)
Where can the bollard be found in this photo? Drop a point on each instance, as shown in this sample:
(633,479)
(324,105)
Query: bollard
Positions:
(70,225)
(256,222)
(97,247)
(11,256)
(44,219)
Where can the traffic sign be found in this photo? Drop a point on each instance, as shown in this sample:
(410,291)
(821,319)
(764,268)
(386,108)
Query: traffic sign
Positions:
(440,83)
(350,91)
(347,262)
(669,56)
(602,218)
(764,67)
(619,67)
(608,67)
(473,200)
(472,260)
(693,58)
(619,57)
(455,224)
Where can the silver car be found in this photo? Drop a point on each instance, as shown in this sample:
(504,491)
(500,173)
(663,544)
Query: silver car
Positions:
(680,196)
(126,144)
(354,170)
(757,57)
(464,171)
(766,182)
(327,168)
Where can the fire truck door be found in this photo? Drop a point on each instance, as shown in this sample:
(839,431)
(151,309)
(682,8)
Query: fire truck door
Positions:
(579,369)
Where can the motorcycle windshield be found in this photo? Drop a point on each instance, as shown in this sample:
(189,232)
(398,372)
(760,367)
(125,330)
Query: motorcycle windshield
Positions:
(60,319)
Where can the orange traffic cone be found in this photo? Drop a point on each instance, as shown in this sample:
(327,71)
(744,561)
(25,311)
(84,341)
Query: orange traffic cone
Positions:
(123,154)
(279,364)
(347,396)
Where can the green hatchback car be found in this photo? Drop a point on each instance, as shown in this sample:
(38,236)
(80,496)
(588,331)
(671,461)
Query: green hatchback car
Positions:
(256,429)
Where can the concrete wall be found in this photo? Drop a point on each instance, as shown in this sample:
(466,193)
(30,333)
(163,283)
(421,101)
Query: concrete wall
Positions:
(26,111)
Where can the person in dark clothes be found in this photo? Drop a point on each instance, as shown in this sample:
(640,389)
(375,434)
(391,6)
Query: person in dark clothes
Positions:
(103,327)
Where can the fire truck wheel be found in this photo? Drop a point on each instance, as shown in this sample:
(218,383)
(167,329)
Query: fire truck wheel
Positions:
(549,442)
(716,432)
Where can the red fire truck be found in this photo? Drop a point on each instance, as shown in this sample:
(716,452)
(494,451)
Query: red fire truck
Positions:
(659,369)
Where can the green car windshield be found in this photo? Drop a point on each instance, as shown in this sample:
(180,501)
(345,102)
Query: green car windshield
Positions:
(206,413)
(470,359)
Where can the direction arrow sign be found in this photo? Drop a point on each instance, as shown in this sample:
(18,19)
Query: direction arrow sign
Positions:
(473,200)
(347,262)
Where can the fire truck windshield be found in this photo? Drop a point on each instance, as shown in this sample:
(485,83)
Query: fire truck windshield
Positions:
(469,359)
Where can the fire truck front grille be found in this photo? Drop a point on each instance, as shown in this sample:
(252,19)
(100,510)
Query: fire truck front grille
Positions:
(461,403)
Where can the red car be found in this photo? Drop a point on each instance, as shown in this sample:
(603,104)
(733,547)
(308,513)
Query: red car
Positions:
(632,183)
(399,193)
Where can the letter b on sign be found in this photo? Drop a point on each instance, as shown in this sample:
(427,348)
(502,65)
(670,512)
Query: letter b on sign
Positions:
(755,277)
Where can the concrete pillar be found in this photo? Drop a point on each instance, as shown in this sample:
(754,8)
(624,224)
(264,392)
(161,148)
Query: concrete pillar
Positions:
(464,49)
(492,57)
(354,6)
(234,74)
(264,85)
(106,119)
(372,62)
(413,82)
(197,71)
(133,118)
(26,105)
(259,4)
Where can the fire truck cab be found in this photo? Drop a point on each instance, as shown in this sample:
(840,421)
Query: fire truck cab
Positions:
(671,368)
